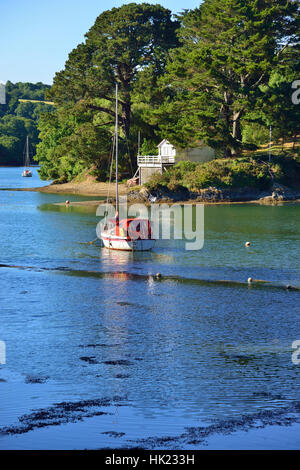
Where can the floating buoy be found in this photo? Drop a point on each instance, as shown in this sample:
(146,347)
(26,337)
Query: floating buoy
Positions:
(67,202)
(247,244)
(250,280)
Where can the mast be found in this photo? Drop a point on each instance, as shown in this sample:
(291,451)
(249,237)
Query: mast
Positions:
(270,142)
(27,161)
(139,142)
(116,132)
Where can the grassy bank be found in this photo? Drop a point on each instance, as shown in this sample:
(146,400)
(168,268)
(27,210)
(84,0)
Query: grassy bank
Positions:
(255,172)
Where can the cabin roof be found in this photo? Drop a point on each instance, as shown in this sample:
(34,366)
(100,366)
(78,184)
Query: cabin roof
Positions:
(165,141)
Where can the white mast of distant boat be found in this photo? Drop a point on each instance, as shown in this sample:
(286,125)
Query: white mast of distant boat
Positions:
(26,171)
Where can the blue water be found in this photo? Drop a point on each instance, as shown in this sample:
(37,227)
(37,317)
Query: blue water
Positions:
(195,352)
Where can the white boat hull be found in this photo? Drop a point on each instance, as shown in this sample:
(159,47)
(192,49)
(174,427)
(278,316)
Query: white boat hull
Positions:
(27,174)
(124,244)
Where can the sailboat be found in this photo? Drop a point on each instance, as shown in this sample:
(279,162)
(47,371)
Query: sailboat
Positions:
(26,171)
(131,234)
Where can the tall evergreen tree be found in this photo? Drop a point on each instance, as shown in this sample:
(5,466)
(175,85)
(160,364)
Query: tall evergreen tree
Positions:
(123,42)
(276,107)
(229,50)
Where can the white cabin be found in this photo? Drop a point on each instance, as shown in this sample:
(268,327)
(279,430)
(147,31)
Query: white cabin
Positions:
(150,164)
(165,149)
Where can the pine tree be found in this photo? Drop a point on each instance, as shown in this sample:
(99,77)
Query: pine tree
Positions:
(229,50)
(122,43)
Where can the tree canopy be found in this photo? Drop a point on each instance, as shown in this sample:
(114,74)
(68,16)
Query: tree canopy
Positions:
(19,119)
(123,43)
(220,74)
(229,49)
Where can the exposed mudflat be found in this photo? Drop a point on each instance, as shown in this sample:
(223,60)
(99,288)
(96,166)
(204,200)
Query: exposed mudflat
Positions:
(61,413)
(85,188)
(196,436)
(79,412)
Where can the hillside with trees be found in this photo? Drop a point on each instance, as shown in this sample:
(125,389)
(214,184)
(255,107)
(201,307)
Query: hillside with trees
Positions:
(220,74)
(19,119)
(232,74)
(129,45)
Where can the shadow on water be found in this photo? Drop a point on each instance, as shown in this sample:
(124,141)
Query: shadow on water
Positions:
(78,209)
(126,276)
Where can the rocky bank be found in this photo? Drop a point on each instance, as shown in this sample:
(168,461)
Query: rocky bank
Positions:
(276,194)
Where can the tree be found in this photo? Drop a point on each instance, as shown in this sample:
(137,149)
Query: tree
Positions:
(17,120)
(122,43)
(229,49)
(276,107)
(13,132)
(148,148)
(70,144)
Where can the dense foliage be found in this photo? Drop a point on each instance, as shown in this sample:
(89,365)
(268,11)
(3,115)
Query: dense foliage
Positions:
(19,119)
(236,63)
(253,172)
(220,74)
(123,45)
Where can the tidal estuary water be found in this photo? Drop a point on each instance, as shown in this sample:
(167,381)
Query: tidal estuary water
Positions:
(101,354)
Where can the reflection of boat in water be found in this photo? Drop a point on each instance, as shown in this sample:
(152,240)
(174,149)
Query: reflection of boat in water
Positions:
(27,173)
(126,234)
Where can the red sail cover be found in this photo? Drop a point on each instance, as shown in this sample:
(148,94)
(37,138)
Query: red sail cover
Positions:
(135,229)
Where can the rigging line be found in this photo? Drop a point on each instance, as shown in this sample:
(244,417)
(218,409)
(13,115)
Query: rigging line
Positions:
(110,172)
(129,154)
(110,165)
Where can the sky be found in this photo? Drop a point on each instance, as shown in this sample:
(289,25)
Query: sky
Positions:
(36,36)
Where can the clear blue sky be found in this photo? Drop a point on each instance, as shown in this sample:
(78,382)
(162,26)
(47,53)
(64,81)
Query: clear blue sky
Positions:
(36,36)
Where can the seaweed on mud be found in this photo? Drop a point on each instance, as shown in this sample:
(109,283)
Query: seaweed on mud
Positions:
(36,379)
(61,413)
(198,435)
(89,359)
(114,433)
(125,304)
(119,362)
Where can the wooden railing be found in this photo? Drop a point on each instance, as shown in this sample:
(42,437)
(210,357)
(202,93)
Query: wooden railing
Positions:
(155,159)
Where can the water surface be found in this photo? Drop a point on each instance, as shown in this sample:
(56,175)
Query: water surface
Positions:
(84,323)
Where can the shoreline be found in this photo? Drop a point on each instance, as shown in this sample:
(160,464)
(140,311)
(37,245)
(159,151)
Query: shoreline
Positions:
(79,189)
(190,201)
(210,196)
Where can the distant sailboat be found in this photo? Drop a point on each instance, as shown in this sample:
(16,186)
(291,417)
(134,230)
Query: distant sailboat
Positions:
(26,171)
